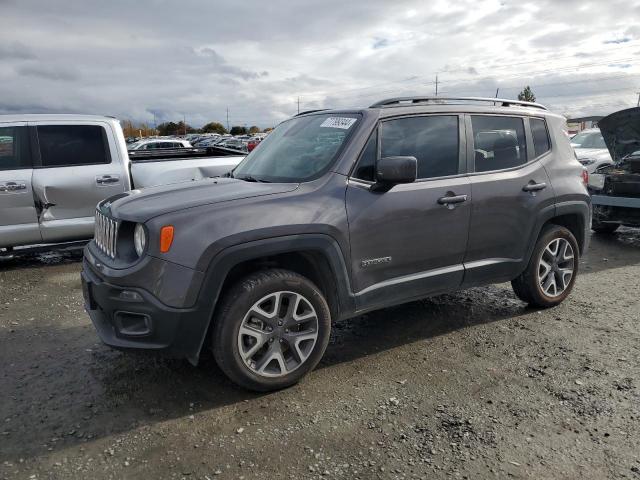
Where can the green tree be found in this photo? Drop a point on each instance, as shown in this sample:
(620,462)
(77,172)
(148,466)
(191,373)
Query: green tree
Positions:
(254,129)
(172,128)
(527,95)
(237,130)
(184,128)
(214,127)
(167,128)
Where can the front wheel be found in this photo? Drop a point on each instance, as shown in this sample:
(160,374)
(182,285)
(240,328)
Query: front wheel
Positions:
(552,269)
(270,330)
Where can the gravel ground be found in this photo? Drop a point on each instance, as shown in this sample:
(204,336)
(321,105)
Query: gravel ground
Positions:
(471,385)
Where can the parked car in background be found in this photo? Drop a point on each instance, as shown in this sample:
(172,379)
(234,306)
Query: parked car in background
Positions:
(615,188)
(54,169)
(155,143)
(252,143)
(591,149)
(338,213)
(234,143)
(208,140)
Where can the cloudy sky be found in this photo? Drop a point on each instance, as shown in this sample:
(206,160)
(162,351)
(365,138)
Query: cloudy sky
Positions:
(137,60)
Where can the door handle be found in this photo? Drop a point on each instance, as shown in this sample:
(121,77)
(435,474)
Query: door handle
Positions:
(12,186)
(107,179)
(533,187)
(452,199)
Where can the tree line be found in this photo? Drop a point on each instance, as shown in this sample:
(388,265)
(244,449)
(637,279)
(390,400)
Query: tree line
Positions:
(132,129)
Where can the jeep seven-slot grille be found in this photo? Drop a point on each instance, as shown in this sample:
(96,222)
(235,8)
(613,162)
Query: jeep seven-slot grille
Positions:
(106,234)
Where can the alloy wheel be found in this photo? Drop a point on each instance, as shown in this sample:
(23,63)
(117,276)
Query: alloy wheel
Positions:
(278,333)
(556,267)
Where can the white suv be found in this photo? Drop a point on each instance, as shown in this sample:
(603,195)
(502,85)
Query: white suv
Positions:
(591,149)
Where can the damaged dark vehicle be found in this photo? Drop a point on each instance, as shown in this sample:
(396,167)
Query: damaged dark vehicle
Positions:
(615,189)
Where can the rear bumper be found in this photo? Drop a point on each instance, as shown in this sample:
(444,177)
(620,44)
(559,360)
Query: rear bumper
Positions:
(132,318)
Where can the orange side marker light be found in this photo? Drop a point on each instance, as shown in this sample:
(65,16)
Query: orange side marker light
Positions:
(166,238)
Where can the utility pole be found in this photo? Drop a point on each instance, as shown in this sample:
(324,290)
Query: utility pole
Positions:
(227,119)
(638,105)
(497,91)
(436,85)
(184,122)
(298,105)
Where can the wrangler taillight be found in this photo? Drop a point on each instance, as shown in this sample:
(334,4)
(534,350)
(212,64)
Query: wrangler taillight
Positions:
(585,176)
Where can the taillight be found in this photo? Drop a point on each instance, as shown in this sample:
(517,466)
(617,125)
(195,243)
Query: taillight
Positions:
(585,176)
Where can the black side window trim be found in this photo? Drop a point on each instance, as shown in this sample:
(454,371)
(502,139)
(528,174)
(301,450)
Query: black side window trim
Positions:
(354,168)
(35,145)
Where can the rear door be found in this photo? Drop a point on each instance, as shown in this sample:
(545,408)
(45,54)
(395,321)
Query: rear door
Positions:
(510,188)
(74,171)
(18,216)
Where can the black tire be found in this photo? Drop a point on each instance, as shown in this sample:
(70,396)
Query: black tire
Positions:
(604,228)
(231,313)
(527,286)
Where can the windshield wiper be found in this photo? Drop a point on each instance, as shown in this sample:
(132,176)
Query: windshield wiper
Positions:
(249,178)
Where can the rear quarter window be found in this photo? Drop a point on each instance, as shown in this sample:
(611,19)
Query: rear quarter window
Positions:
(541,144)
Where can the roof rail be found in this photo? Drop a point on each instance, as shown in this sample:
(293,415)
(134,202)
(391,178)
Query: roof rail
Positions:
(400,101)
(311,111)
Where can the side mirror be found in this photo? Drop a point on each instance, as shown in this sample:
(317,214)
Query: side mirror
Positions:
(392,171)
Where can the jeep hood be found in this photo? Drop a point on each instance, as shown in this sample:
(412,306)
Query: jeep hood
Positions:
(142,205)
(621,132)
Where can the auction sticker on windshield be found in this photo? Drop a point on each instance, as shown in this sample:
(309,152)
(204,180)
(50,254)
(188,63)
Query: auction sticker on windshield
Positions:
(338,122)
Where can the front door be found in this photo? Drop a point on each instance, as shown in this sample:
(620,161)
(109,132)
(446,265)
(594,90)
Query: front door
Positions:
(510,188)
(410,241)
(18,216)
(75,172)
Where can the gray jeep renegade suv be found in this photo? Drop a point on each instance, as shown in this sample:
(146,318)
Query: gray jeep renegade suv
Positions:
(337,213)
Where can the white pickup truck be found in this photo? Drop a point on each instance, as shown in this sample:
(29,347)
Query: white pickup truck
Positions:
(54,169)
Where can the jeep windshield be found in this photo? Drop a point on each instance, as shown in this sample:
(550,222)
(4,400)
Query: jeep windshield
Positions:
(298,150)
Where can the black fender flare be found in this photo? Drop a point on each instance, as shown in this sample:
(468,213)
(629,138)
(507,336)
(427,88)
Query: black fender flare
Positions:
(220,266)
(571,207)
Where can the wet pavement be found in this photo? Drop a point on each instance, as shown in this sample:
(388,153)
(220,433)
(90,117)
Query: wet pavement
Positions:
(469,385)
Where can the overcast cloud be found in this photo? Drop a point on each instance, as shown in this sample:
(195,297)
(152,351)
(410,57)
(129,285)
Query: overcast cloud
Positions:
(136,59)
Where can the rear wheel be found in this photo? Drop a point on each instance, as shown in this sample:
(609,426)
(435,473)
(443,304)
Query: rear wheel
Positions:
(552,269)
(271,329)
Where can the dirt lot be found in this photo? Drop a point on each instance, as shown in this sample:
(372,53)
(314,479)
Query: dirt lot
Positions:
(472,385)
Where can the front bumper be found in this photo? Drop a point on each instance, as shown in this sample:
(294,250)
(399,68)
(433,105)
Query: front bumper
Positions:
(127,317)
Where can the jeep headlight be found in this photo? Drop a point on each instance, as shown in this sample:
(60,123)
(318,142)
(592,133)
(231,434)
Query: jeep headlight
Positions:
(139,239)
